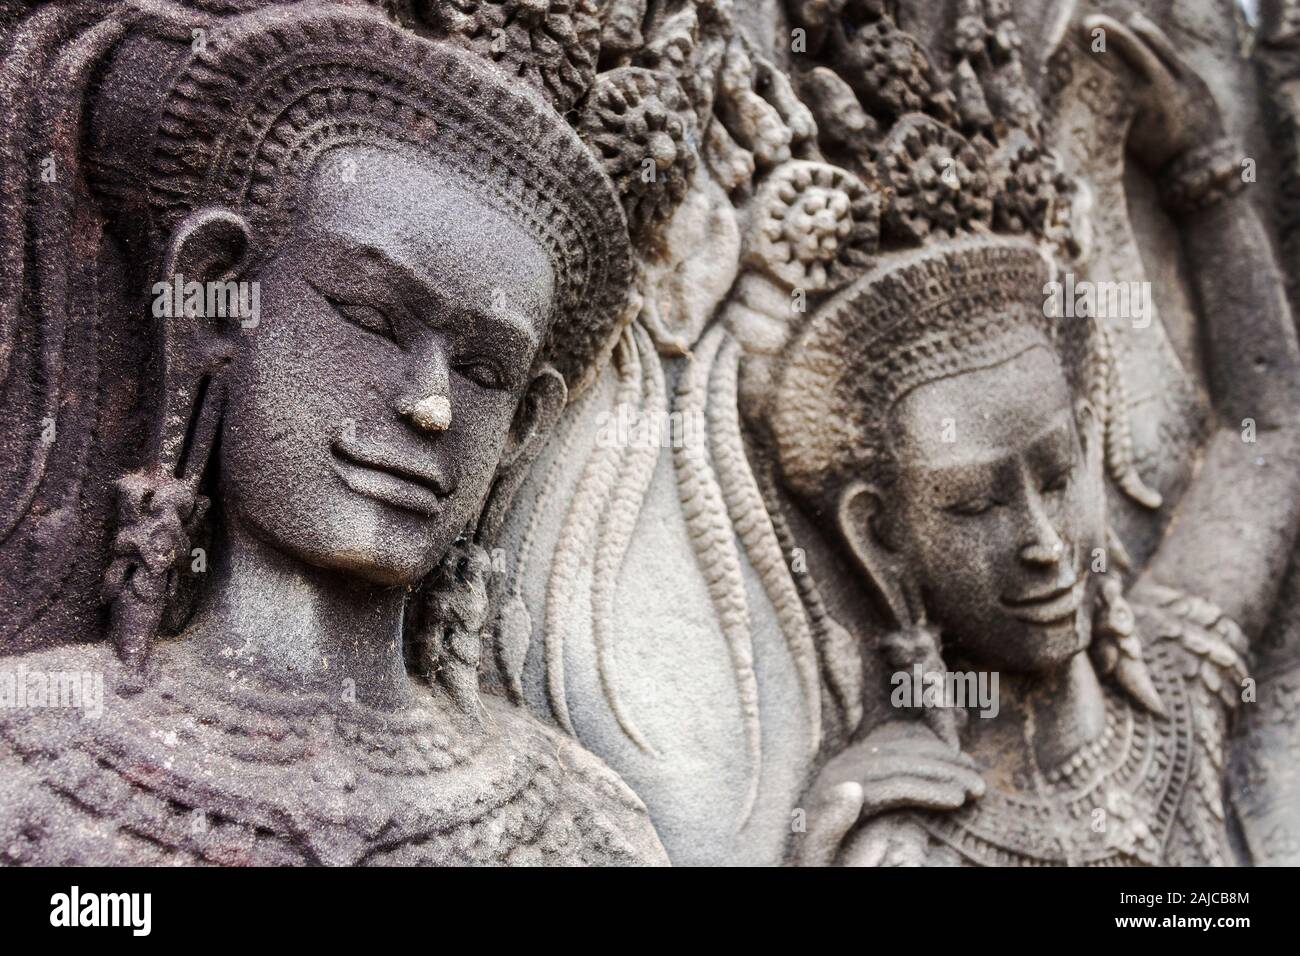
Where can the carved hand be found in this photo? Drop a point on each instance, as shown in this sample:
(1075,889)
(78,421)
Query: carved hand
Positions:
(1176,110)
(901,763)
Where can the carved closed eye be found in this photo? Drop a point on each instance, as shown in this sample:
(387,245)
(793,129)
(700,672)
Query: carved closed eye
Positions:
(1057,482)
(972,507)
(367,317)
(481,373)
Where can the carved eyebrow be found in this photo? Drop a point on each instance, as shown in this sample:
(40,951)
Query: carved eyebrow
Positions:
(507,322)
(1041,441)
(417,286)
(1050,436)
(367,258)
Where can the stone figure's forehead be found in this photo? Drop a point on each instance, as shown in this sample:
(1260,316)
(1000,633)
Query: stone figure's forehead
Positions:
(983,415)
(420,214)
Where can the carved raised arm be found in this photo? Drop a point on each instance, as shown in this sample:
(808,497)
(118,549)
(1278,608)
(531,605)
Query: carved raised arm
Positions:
(1245,498)
(1247,492)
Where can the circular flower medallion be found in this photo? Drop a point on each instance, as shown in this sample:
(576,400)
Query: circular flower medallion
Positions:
(937,181)
(813,225)
(639,124)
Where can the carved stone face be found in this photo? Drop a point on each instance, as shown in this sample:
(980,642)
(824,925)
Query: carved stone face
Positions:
(370,407)
(998,507)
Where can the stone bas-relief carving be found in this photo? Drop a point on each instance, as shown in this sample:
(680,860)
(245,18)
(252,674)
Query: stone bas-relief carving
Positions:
(917,210)
(611,407)
(993,553)
(438,257)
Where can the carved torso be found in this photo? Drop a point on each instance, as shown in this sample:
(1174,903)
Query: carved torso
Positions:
(1147,792)
(193,770)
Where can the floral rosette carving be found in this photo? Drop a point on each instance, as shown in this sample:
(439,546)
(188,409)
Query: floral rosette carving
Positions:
(552,44)
(640,125)
(938,181)
(1030,187)
(813,226)
(890,72)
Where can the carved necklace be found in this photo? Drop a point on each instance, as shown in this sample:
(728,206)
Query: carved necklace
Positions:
(273,777)
(1112,802)
(1068,774)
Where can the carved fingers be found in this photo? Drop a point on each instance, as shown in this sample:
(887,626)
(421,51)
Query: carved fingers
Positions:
(905,764)
(1158,42)
(1132,46)
(925,783)
(901,764)
(1176,110)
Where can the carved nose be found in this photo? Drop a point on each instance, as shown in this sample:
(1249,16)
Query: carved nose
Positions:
(1043,553)
(430,414)
(425,401)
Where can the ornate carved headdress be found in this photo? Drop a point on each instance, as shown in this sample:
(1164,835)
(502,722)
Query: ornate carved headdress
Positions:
(976,214)
(141,112)
(238,118)
(959,306)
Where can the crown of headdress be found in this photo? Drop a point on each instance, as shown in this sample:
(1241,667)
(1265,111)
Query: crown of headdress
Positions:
(939,311)
(972,209)
(238,118)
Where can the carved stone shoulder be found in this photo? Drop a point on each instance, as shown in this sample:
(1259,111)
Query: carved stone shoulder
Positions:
(181,773)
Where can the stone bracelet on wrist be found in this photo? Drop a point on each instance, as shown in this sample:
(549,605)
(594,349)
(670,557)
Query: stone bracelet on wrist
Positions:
(1201,176)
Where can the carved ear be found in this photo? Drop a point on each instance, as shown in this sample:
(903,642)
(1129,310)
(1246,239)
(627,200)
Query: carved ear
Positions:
(538,412)
(210,245)
(858,514)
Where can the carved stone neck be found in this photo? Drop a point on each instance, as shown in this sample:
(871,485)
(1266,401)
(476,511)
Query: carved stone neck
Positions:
(1053,715)
(303,627)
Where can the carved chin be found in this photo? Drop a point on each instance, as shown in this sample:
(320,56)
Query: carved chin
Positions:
(1066,637)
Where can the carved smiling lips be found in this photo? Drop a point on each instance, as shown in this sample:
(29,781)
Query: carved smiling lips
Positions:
(390,477)
(1056,605)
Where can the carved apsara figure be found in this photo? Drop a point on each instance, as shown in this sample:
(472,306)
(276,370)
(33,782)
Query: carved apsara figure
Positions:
(886,132)
(438,260)
(957,432)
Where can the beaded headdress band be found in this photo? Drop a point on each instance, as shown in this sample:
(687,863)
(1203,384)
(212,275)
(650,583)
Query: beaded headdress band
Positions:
(240,119)
(957,307)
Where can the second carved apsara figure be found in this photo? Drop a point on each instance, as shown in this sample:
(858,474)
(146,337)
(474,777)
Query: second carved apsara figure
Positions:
(957,427)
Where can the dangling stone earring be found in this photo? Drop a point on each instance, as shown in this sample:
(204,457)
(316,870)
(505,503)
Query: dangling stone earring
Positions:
(157,515)
(917,644)
(448,642)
